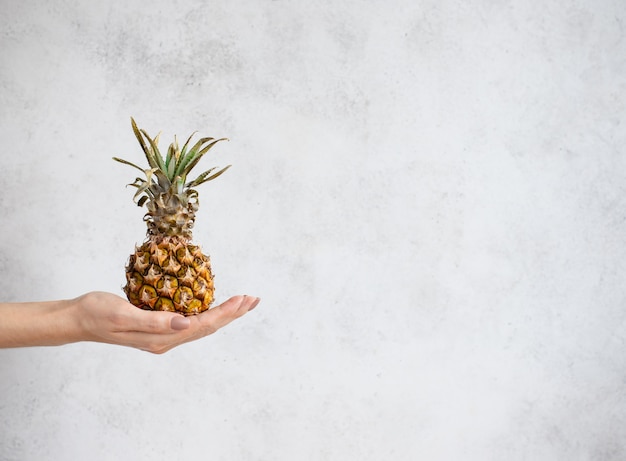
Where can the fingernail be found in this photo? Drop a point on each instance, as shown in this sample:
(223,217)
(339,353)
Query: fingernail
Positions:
(255,304)
(180,323)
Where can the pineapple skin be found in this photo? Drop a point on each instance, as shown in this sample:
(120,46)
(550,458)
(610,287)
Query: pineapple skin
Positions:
(169,274)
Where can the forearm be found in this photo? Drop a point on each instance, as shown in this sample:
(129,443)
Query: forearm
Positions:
(49,323)
(108,318)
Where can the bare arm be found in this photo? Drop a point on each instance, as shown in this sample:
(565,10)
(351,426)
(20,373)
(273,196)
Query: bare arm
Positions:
(107,318)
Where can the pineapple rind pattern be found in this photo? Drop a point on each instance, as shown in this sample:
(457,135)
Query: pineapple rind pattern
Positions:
(170,275)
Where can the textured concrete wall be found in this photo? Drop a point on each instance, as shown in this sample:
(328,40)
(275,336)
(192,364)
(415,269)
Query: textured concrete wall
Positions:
(429,197)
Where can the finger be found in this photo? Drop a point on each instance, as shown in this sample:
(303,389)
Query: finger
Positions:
(202,324)
(246,304)
(254,304)
(156,331)
(228,311)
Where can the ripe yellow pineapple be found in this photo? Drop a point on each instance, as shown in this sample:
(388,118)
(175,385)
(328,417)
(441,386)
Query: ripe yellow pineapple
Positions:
(167,272)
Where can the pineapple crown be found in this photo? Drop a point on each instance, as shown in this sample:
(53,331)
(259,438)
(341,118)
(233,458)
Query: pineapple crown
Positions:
(171,199)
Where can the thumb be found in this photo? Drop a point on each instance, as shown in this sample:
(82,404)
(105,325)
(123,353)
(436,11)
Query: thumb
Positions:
(180,322)
(159,322)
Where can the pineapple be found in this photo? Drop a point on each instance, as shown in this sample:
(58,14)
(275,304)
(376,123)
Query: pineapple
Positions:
(168,272)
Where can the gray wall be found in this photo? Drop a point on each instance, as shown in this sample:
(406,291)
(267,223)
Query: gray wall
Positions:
(429,197)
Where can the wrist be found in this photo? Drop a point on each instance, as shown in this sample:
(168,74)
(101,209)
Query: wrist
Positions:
(58,323)
(80,323)
(71,324)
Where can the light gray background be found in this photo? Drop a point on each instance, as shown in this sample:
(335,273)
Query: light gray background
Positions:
(429,196)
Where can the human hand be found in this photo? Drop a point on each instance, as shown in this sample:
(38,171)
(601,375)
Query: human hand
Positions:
(108,318)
